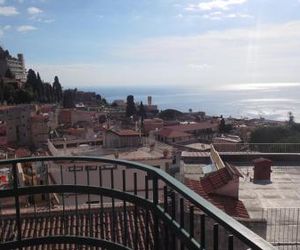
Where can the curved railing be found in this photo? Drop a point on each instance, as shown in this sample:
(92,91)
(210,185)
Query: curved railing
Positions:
(137,207)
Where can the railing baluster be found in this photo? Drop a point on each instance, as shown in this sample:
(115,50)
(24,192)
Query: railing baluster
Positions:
(155,218)
(135,212)
(124,210)
(113,205)
(147,213)
(181,204)
(33,196)
(89,201)
(202,224)
(230,242)
(191,221)
(47,183)
(101,205)
(63,204)
(76,202)
(216,237)
(166,211)
(173,214)
(17,204)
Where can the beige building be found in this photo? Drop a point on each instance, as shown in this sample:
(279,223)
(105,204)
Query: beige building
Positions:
(39,130)
(15,64)
(121,138)
(17,119)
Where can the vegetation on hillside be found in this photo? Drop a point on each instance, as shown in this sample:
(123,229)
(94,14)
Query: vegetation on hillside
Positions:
(289,133)
(170,114)
(34,90)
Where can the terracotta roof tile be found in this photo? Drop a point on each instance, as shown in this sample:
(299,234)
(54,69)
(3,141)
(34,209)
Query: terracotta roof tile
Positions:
(229,205)
(45,225)
(125,132)
(171,133)
(194,126)
(22,152)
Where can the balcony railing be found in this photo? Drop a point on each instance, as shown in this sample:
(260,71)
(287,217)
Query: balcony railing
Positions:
(99,203)
(275,148)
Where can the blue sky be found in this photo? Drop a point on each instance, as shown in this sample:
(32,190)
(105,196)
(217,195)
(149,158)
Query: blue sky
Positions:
(155,42)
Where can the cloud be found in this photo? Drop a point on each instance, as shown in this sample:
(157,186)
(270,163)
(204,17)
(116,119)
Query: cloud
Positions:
(26,28)
(3,29)
(2,1)
(34,11)
(203,66)
(214,4)
(219,15)
(6,27)
(8,11)
(259,53)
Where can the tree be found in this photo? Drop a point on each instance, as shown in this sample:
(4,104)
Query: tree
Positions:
(40,89)
(9,93)
(222,125)
(23,96)
(142,112)
(69,98)
(1,91)
(57,90)
(291,118)
(49,96)
(170,114)
(31,84)
(130,108)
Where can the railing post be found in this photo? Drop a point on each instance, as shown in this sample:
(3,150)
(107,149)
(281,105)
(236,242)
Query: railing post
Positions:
(17,203)
(155,218)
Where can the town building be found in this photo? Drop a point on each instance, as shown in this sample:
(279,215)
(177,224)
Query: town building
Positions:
(227,142)
(3,133)
(17,121)
(169,135)
(15,64)
(70,117)
(39,130)
(152,125)
(121,138)
(185,132)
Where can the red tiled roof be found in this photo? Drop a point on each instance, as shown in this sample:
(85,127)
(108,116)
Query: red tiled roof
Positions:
(171,133)
(57,224)
(215,180)
(125,132)
(38,118)
(22,152)
(229,205)
(219,178)
(194,126)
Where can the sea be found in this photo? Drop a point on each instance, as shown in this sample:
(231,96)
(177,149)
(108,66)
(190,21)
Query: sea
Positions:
(268,100)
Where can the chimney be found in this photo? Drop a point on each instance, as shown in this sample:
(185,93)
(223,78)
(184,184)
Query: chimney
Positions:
(262,170)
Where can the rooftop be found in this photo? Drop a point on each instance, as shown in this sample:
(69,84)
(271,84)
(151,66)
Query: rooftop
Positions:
(230,205)
(46,225)
(194,126)
(125,132)
(172,133)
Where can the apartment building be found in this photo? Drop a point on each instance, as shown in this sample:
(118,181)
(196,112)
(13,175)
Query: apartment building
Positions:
(15,64)
(17,120)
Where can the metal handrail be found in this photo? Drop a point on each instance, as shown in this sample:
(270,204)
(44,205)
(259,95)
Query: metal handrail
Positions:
(234,227)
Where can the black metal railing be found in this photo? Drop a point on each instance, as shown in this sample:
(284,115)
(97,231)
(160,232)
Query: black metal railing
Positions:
(99,203)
